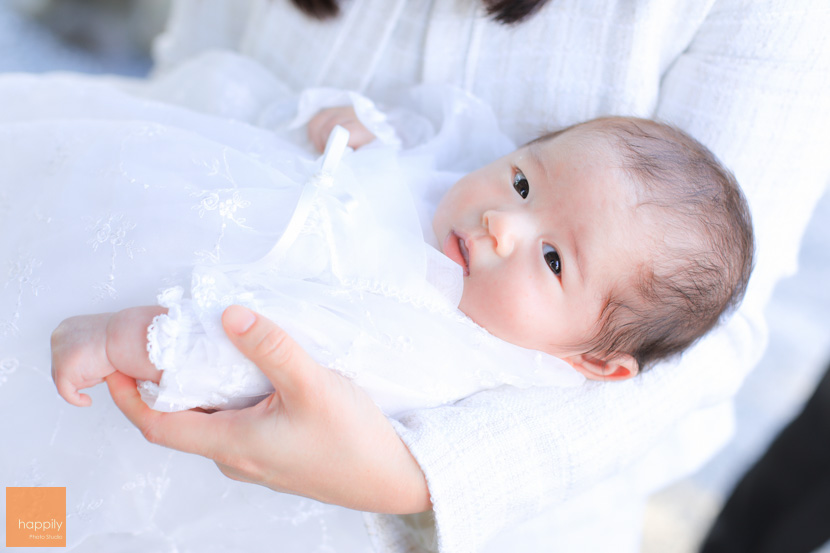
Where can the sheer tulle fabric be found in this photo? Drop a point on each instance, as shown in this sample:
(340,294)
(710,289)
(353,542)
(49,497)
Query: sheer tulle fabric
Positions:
(111,199)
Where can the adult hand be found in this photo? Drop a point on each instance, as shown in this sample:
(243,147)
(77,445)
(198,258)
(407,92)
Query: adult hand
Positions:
(318,435)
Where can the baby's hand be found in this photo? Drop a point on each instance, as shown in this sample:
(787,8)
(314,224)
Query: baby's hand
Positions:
(79,356)
(320,126)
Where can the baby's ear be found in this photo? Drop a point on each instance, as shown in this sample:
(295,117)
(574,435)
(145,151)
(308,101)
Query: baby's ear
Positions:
(619,367)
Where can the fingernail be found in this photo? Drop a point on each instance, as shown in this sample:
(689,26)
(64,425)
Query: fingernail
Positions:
(239,319)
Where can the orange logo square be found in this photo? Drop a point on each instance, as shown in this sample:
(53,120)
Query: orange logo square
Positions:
(36,517)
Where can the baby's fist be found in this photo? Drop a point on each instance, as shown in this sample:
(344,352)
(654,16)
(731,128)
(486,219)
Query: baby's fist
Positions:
(79,356)
(320,126)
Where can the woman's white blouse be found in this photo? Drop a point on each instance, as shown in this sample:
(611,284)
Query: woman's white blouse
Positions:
(748,78)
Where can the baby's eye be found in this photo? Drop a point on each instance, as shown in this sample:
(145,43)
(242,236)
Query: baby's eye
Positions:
(521,185)
(552,259)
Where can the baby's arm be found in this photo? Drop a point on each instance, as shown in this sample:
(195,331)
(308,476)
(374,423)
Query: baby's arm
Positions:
(88,348)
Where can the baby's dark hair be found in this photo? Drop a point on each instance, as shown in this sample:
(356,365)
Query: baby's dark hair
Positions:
(699,269)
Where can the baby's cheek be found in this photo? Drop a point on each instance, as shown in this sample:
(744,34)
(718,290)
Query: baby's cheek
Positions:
(498,311)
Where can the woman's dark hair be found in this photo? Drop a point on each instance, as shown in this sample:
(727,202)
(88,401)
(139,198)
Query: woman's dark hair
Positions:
(503,11)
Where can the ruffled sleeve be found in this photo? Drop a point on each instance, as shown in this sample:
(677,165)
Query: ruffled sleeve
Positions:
(201,369)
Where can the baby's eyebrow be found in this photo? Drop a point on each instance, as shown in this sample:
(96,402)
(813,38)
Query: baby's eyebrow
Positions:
(533,151)
(575,249)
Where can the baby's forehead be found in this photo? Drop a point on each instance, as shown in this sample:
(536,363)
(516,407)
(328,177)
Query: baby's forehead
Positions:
(591,141)
(593,155)
(584,168)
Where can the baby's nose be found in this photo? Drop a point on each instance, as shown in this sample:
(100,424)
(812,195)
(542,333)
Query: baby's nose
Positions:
(506,228)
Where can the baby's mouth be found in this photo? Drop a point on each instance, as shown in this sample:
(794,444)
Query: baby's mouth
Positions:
(462,245)
(455,248)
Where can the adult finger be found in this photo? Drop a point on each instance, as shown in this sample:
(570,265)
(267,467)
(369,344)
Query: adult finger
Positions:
(188,431)
(289,368)
(235,474)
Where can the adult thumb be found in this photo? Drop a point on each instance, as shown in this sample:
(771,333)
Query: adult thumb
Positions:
(287,365)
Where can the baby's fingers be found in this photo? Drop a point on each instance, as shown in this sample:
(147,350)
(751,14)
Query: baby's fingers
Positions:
(321,125)
(69,392)
(359,135)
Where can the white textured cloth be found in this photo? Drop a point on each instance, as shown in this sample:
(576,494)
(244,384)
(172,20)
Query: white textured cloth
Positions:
(747,78)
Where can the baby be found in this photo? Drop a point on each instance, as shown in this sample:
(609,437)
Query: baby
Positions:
(611,244)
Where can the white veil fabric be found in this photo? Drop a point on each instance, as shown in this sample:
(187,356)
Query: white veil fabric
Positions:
(114,193)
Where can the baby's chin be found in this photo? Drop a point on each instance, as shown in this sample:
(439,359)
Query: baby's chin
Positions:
(481,314)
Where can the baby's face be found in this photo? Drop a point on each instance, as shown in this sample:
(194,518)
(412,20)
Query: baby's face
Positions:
(543,235)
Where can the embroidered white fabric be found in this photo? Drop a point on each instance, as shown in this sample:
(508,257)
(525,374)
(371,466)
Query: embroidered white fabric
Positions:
(117,197)
(348,279)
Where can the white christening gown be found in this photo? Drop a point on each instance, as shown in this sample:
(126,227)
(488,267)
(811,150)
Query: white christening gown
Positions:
(109,200)
(352,279)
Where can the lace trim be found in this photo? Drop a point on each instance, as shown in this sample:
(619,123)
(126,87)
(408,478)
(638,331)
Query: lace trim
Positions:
(165,329)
